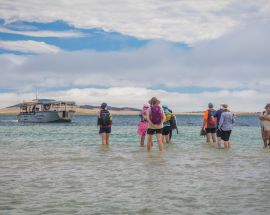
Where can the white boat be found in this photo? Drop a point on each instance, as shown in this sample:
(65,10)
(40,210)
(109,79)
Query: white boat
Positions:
(46,110)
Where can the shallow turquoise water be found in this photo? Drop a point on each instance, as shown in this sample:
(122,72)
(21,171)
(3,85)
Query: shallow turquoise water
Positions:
(63,169)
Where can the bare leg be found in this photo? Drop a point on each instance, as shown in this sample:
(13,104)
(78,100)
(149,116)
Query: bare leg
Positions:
(167,137)
(142,140)
(208,137)
(219,142)
(160,143)
(264,137)
(214,137)
(226,146)
(267,137)
(149,142)
(107,138)
(103,138)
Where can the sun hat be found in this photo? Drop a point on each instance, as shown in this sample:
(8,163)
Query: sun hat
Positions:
(144,109)
(154,100)
(210,105)
(224,106)
(145,106)
(103,106)
(267,105)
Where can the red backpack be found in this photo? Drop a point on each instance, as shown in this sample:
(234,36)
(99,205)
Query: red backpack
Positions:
(211,119)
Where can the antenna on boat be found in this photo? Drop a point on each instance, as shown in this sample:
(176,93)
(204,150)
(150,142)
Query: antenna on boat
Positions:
(36,93)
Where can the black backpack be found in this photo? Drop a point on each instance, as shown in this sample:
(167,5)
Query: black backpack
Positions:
(105,118)
(173,123)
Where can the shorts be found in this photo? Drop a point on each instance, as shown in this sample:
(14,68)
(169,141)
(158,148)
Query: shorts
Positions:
(211,130)
(225,135)
(166,130)
(106,130)
(151,131)
(218,133)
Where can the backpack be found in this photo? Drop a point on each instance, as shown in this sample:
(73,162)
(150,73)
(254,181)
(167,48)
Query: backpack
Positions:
(105,118)
(173,123)
(156,114)
(168,117)
(212,121)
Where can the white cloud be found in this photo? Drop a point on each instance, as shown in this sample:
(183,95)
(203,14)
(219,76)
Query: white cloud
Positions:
(60,34)
(181,21)
(28,46)
(136,97)
(237,65)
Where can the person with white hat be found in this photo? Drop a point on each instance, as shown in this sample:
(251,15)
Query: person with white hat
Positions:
(226,125)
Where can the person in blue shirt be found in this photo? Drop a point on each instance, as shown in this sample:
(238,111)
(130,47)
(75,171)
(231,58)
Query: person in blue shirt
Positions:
(218,132)
(226,125)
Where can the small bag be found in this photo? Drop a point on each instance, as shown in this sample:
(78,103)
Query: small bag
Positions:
(203,132)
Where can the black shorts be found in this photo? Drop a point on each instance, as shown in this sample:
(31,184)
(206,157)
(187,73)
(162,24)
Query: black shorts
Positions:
(166,130)
(211,130)
(151,131)
(218,133)
(105,130)
(225,135)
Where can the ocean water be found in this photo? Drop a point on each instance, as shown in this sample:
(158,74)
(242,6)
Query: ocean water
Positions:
(62,168)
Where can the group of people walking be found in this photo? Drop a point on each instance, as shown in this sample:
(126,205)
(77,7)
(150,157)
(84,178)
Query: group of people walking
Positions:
(218,125)
(160,120)
(154,119)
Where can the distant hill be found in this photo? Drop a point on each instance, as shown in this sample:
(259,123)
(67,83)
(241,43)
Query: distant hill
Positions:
(15,106)
(91,107)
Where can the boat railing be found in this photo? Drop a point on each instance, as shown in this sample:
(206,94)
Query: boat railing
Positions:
(56,106)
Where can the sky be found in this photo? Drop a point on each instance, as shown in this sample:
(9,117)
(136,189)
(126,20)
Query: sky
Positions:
(187,53)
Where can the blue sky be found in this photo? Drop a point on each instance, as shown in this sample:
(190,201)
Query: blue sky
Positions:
(185,53)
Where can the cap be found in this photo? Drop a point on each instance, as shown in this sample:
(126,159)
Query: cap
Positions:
(103,105)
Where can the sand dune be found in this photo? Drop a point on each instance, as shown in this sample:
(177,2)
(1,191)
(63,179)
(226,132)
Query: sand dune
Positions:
(83,111)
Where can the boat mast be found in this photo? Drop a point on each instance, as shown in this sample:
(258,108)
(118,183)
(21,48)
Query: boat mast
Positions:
(36,93)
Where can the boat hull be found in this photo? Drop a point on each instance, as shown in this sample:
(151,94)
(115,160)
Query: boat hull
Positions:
(46,116)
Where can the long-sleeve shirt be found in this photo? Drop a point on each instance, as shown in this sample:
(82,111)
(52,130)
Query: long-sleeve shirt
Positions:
(226,121)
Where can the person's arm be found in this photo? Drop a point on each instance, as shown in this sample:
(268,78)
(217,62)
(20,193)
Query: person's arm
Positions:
(205,117)
(221,121)
(98,117)
(233,119)
(163,116)
(265,117)
(111,118)
(148,117)
(175,123)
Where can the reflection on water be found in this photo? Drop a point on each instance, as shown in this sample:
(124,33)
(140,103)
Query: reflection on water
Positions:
(63,169)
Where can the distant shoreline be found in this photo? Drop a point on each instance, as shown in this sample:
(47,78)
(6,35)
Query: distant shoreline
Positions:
(82,111)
